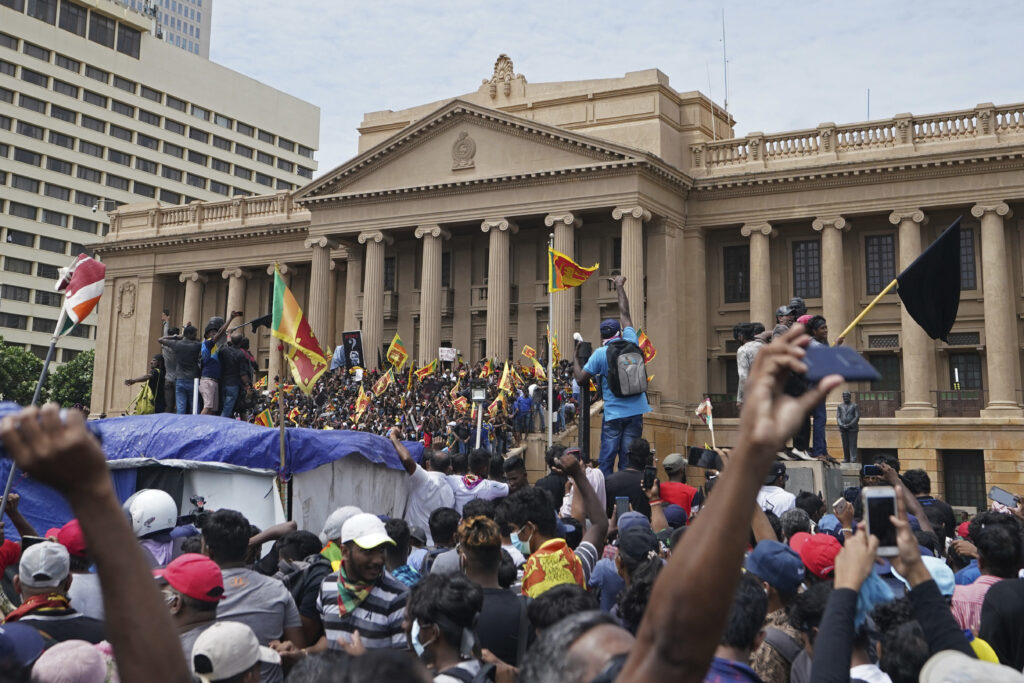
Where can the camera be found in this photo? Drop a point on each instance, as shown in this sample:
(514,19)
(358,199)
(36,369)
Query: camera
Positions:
(197,516)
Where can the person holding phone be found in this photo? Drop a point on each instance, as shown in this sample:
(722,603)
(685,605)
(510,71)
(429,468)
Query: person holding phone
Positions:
(628,483)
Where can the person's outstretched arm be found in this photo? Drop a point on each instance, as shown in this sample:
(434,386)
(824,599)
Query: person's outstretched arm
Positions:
(593,508)
(620,292)
(678,644)
(68,458)
(403,453)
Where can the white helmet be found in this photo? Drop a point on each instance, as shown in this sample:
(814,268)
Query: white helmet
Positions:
(151,510)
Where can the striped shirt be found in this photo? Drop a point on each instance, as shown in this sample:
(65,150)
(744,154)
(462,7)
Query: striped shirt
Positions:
(967,602)
(378,618)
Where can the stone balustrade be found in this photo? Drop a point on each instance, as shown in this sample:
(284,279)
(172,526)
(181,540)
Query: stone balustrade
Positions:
(830,142)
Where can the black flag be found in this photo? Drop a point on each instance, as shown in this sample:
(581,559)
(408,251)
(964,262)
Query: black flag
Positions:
(930,286)
(264,321)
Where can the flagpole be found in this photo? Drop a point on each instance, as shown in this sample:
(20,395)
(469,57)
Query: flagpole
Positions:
(35,396)
(856,321)
(551,303)
(280,422)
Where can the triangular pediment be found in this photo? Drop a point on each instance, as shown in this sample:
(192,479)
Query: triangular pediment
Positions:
(462,142)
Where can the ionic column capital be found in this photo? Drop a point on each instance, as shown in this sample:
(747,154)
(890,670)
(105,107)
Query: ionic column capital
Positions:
(374,236)
(998,208)
(765,229)
(320,241)
(194,276)
(565,218)
(229,273)
(916,215)
(636,211)
(837,222)
(433,231)
(499,224)
(283,267)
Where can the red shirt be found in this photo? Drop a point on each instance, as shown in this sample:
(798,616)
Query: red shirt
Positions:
(678,493)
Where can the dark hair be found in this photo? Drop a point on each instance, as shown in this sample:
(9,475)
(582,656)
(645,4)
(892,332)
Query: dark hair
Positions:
(794,521)
(226,534)
(167,311)
(904,652)
(480,541)
(633,600)
(571,531)
(930,541)
(756,329)
(514,463)
(297,545)
(776,523)
(532,504)
(194,605)
(548,659)
(999,547)
(507,571)
(450,601)
(807,608)
(478,507)
(815,322)
(193,544)
(639,453)
(888,459)
(440,462)
(811,503)
(501,516)
(460,463)
(558,602)
(398,530)
(888,615)
(552,455)
(443,523)
(917,481)
(496,469)
(171,331)
(479,461)
(335,666)
(676,537)
(746,616)
(244,344)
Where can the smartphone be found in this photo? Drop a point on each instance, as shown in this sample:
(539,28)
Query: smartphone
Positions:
(1003,497)
(838,360)
(29,541)
(879,506)
(621,507)
(650,476)
(871,471)
(835,505)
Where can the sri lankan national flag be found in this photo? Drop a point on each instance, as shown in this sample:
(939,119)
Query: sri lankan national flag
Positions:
(397,355)
(261,383)
(506,380)
(646,346)
(305,356)
(263,419)
(493,408)
(383,383)
(529,351)
(293,414)
(426,371)
(461,403)
(538,370)
(455,390)
(486,371)
(555,355)
(564,273)
(362,403)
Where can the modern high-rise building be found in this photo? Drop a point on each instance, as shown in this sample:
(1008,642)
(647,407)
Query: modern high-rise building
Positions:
(184,24)
(95,112)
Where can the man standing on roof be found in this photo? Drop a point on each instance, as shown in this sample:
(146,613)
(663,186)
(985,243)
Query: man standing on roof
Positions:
(623,419)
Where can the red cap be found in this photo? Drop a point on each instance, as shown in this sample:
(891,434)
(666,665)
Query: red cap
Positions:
(71,537)
(961,530)
(194,575)
(817,552)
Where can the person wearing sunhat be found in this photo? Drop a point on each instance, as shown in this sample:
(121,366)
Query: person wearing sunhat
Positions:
(230,651)
(362,595)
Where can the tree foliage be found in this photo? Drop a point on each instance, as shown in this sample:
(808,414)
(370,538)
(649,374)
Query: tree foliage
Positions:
(71,383)
(19,372)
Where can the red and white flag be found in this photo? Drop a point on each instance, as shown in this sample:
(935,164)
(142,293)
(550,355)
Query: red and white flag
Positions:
(82,284)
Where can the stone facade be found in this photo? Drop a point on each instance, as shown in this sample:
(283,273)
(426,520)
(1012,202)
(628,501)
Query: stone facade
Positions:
(437,230)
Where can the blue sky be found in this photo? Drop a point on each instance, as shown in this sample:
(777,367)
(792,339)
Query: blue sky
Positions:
(791,64)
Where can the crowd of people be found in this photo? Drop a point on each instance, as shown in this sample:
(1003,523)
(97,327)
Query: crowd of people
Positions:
(576,577)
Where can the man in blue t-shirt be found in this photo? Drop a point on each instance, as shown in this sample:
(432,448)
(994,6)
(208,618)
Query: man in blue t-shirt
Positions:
(623,417)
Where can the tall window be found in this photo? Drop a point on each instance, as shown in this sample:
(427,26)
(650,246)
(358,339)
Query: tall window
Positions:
(888,367)
(72,18)
(807,269)
(617,253)
(968,274)
(389,274)
(101,29)
(46,10)
(880,255)
(736,270)
(967,366)
(446,269)
(965,478)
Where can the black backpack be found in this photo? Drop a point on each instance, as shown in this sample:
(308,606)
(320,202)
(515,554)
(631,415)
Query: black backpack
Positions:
(627,371)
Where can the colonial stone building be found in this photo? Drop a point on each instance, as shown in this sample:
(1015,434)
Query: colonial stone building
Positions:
(438,230)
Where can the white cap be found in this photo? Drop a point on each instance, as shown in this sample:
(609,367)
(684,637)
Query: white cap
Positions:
(227,649)
(335,520)
(44,565)
(366,531)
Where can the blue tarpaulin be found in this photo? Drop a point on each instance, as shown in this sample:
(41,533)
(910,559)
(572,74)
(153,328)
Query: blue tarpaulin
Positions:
(197,440)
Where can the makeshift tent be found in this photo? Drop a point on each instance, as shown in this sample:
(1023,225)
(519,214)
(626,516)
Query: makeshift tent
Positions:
(233,465)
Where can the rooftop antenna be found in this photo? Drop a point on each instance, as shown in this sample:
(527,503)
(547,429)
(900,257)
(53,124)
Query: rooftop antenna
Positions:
(725,64)
(714,124)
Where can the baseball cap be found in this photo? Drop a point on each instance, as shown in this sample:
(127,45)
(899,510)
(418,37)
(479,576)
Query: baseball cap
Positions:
(366,531)
(675,515)
(44,565)
(71,660)
(830,523)
(20,645)
(71,537)
(418,533)
(780,566)
(674,462)
(335,520)
(962,530)
(817,552)
(778,468)
(609,328)
(638,543)
(633,519)
(804,319)
(953,666)
(782,310)
(227,649)
(940,571)
(194,575)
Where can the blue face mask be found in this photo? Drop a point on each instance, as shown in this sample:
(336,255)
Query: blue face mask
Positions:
(414,635)
(522,546)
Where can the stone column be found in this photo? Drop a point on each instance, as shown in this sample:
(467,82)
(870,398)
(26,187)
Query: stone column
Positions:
(563,307)
(430,291)
(193,312)
(833,280)
(353,278)
(761,308)
(664,239)
(498,279)
(274,365)
(694,306)
(918,351)
(373,294)
(633,218)
(320,285)
(236,278)
(1001,346)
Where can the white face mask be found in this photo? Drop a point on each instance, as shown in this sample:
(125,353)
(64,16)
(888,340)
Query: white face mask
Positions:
(414,635)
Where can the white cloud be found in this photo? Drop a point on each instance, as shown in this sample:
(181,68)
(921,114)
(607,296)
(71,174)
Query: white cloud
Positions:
(791,64)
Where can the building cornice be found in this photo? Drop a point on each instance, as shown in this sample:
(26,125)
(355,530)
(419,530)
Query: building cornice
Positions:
(268,233)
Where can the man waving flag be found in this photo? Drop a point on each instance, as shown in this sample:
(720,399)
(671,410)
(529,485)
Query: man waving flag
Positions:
(305,356)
